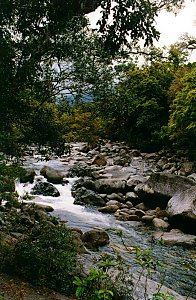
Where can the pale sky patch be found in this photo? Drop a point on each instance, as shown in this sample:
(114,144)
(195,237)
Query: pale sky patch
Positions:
(170,26)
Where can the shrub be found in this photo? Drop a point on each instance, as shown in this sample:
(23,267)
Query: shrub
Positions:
(98,284)
(8,174)
(45,257)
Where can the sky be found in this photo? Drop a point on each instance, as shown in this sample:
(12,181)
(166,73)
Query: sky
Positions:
(170,26)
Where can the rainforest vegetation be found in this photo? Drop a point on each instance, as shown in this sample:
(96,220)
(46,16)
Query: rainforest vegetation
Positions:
(60,81)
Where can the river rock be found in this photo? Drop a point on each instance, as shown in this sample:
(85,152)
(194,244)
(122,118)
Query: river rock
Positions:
(126,217)
(116,172)
(46,208)
(162,161)
(45,189)
(159,223)
(143,291)
(135,180)
(28,176)
(95,238)
(182,210)
(77,241)
(121,161)
(108,209)
(141,206)
(99,160)
(115,196)
(176,237)
(192,176)
(126,210)
(187,167)
(93,152)
(160,187)
(41,215)
(129,204)
(109,186)
(31,207)
(85,148)
(83,196)
(114,202)
(126,214)
(52,175)
(80,170)
(26,221)
(147,219)
(133,197)
(83,182)
(140,213)
(161,213)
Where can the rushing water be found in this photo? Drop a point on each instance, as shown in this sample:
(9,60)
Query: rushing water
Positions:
(179,262)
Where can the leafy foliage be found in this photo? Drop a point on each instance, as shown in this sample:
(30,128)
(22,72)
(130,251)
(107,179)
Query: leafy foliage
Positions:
(182,121)
(8,174)
(161,296)
(131,19)
(49,55)
(28,258)
(98,284)
(82,124)
(140,107)
(110,277)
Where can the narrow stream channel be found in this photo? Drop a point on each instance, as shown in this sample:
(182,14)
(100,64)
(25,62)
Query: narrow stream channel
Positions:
(179,262)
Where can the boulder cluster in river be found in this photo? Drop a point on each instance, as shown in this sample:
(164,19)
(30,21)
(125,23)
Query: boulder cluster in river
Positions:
(158,189)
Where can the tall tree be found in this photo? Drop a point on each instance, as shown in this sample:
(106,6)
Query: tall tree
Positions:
(36,33)
(139,107)
(182,121)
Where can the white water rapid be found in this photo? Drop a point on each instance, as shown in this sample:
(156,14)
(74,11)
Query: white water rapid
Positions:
(178,261)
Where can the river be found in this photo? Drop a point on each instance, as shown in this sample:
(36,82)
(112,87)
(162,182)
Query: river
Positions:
(179,262)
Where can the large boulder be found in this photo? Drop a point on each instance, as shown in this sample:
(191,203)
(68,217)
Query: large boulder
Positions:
(135,180)
(28,175)
(116,172)
(143,291)
(160,187)
(83,196)
(77,241)
(108,186)
(52,175)
(45,189)
(182,210)
(31,207)
(175,237)
(95,238)
(80,170)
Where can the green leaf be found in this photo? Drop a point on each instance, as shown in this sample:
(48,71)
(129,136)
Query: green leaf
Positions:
(77,281)
(80,291)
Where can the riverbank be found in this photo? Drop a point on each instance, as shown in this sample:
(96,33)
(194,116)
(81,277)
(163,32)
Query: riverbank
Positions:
(93,167)
(15,288)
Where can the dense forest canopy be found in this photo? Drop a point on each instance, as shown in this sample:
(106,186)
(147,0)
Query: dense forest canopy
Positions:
(48,51)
